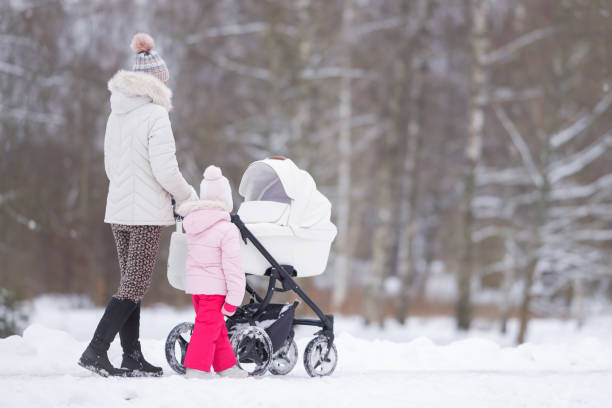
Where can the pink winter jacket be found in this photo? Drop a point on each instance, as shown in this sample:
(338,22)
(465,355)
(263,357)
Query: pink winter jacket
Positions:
(214,262)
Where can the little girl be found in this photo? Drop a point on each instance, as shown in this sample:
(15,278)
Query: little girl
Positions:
(214,276)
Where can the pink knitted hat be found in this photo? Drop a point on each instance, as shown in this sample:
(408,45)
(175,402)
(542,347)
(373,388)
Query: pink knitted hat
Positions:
(147,59)
(215,187)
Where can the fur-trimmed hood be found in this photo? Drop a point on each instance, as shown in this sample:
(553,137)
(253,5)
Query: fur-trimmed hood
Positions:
(131,90)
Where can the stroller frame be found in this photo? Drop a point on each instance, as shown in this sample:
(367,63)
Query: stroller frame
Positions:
(282,274)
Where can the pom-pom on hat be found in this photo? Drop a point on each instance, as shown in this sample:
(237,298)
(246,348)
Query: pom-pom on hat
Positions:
(147,59)
(142,42)
(215,187)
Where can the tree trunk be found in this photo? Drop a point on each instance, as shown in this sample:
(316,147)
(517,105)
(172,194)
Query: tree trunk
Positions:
(478,14)
(302,123)
(540,219)
(506,287)
(278,132)
(524,309)
(381,243)
(578,299)
(343,254)
(410,180)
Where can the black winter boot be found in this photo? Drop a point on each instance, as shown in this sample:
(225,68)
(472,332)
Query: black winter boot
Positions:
(95,356)
(133,360)
(137,366)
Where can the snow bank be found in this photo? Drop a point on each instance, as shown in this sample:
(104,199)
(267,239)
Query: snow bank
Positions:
(474,354)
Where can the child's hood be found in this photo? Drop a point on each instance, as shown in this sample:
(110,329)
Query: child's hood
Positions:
(201,215)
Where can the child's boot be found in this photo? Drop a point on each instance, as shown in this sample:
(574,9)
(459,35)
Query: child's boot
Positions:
(193,373)
(234,372)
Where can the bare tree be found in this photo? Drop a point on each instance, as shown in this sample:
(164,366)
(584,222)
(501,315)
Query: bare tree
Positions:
(478,84)
(418,66)
(343,253)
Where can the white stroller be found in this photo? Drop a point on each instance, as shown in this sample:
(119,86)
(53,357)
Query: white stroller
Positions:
(287,233)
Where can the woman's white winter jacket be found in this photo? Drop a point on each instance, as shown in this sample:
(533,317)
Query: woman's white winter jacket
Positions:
(139,153)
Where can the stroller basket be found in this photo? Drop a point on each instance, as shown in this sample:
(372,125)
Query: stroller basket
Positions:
(276,319)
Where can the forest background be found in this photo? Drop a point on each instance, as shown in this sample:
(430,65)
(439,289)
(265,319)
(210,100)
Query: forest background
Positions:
(464,145)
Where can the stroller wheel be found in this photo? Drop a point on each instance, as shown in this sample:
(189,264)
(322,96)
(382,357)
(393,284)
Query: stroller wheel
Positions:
(253,349)
(176,346)
(319,359)
(284,359)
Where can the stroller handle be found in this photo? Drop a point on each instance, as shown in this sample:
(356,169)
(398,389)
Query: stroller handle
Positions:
(177,217)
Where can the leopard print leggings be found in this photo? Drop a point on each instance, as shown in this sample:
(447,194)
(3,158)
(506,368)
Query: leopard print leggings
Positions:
(137,247)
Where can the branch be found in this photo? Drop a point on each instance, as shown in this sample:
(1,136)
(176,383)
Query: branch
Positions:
(592,235)
(560,247)
(556,225)
(500,95)
(509,177)
(6,197)
(578,55)
(17,40)
(21,219)
(565,135)
(23,114)
(493,268)
(254,72)
(490,231)
(509,50)
(493,231)
(508,207)
(11,69)
(387,24)
(601,211)
(336,72)
(484,202)
(520,144)
(565,192)
(228,30)
(578,161)
(241,29)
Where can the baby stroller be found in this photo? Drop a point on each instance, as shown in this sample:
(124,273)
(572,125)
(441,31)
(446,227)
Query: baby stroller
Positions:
(287,233)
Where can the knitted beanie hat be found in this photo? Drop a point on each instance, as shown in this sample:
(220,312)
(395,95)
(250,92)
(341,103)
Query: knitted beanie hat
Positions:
(147,59)
(215,187)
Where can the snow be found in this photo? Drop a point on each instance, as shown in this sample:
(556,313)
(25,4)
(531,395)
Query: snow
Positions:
(425,363)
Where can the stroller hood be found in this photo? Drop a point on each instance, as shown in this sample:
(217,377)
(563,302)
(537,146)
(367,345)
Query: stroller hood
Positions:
(280,180)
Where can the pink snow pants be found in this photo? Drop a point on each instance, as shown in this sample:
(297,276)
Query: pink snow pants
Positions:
(209,344)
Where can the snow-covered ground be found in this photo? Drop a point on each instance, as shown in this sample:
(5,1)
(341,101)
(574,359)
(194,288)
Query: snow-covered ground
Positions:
(423,364)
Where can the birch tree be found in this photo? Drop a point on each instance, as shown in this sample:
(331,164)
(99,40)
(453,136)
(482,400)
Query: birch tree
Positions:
(343,253)
(478,49)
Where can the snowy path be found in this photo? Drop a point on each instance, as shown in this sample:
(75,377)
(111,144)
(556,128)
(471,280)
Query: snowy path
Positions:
(446,389)
(391,368)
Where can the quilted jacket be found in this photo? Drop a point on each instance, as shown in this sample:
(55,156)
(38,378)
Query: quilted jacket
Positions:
(214,259)
(139,153)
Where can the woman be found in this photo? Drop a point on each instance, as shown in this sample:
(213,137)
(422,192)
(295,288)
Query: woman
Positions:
(140,162)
